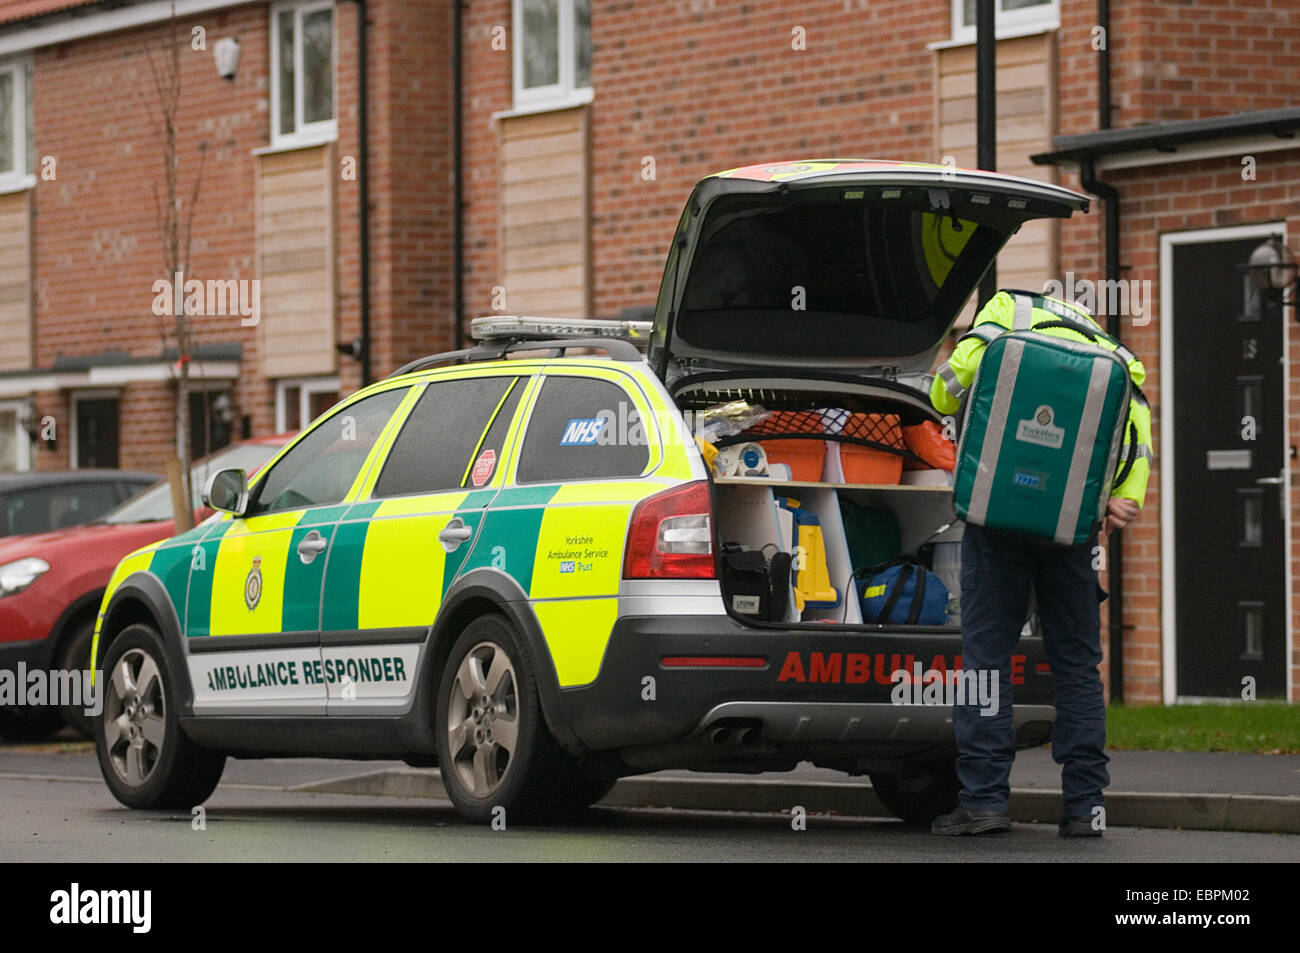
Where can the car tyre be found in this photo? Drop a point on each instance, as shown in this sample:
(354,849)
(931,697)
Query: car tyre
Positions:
(145,758)
(75,657)
(920,797)
(494,749)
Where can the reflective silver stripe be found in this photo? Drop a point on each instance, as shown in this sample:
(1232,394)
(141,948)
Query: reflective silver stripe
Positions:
(986,332)
(1125,354)
(1024,317)
(978,508)
(1081,459)
(950,382)
(1143,452)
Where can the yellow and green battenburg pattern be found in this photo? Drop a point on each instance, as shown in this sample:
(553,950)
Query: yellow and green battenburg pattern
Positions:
(562,543)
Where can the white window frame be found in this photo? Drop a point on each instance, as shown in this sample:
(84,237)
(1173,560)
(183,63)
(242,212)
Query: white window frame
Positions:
(21,176)
(21,409)
(562,94)
(306,387)
(1008,23)
(312,133)
(77,397)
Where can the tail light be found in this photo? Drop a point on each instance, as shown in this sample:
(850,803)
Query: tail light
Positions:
(671,535)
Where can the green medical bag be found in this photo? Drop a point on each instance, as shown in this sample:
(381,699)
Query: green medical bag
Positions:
(1041,436)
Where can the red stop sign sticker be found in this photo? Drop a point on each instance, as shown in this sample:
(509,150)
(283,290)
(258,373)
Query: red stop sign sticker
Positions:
(483,467)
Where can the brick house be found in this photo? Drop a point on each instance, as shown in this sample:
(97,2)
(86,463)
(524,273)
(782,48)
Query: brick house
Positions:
(581,128)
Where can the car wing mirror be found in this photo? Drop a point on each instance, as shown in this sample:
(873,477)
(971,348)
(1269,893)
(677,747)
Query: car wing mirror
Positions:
(227,491)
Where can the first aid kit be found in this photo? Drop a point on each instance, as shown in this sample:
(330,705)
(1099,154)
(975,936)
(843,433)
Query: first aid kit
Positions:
(1041,436)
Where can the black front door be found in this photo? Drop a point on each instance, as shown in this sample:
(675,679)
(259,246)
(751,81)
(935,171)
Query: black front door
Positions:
(1230,451)
(97,433)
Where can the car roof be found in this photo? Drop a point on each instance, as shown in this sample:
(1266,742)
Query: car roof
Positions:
(33,479)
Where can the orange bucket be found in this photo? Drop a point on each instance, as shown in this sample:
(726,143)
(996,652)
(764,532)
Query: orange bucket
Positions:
(865,464)
(804,457)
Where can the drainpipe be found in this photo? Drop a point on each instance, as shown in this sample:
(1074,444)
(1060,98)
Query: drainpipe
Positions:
(986,116)
(362,352)
(458,191)
(1110,200)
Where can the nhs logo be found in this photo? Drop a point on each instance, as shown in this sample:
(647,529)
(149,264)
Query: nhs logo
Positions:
(581,433)
(567,565)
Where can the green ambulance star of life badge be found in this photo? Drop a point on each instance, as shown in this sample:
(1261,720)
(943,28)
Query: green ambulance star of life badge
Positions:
(253,584)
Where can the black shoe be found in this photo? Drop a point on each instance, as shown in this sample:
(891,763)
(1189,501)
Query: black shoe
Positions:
(1078,827)
(962,821)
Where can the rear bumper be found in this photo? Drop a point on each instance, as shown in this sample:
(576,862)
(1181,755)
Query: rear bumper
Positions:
(805,692)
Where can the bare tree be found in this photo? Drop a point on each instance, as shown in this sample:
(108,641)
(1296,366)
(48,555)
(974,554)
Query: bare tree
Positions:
(175,226)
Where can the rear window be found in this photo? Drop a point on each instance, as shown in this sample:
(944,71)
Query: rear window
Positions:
(870,273)
(583,429)
(41,509)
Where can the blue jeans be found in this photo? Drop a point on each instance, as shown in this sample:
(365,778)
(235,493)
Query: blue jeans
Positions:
(997,572)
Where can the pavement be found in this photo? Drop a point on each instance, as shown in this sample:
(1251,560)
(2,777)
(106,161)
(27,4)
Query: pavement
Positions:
(1209,791)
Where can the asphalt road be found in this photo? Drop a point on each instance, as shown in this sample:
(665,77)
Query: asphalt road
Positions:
(69,816)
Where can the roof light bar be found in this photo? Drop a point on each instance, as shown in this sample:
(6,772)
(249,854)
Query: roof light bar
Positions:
(496,327)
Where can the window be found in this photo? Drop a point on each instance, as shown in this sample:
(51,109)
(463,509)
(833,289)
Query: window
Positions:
(552,52)
(17,157)
(15,445)
(95,430)
(322,466)
(42,509)
(299,402)
(1011,17)
(440,441)
(212,418)
(583,429)
(155,503)
(302,73)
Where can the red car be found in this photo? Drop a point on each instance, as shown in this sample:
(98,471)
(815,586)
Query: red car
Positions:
(51,584)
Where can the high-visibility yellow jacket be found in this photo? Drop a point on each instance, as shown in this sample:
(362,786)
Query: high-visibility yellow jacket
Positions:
(1020,310)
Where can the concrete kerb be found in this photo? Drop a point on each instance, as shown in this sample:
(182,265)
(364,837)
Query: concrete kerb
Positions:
(1196,812)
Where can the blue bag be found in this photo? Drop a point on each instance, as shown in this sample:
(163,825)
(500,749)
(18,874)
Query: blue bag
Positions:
(904,594)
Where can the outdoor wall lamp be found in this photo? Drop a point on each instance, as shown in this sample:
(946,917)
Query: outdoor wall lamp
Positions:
(226,52)
(1273,271)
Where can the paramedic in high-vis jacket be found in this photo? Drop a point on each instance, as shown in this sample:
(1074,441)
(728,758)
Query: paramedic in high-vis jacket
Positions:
(997,572)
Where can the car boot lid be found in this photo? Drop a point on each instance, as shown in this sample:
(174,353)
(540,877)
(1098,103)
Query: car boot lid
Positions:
(848,265)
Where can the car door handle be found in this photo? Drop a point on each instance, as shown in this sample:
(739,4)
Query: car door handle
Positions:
(1267,481)
(453,534)
(311,546)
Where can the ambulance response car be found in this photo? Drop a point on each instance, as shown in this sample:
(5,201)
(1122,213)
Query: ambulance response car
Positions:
(514,562)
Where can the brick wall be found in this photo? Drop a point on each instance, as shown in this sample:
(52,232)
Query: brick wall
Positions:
(96,245)
(713,85)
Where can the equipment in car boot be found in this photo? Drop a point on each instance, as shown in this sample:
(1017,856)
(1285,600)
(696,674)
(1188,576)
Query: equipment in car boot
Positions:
(872,533)
(1041,435)
(812,588)
(757,584)
(742,459)
(904,593)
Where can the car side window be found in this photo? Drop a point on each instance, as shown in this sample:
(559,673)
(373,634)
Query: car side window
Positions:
(440,440)
(583,429)
(321,467)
